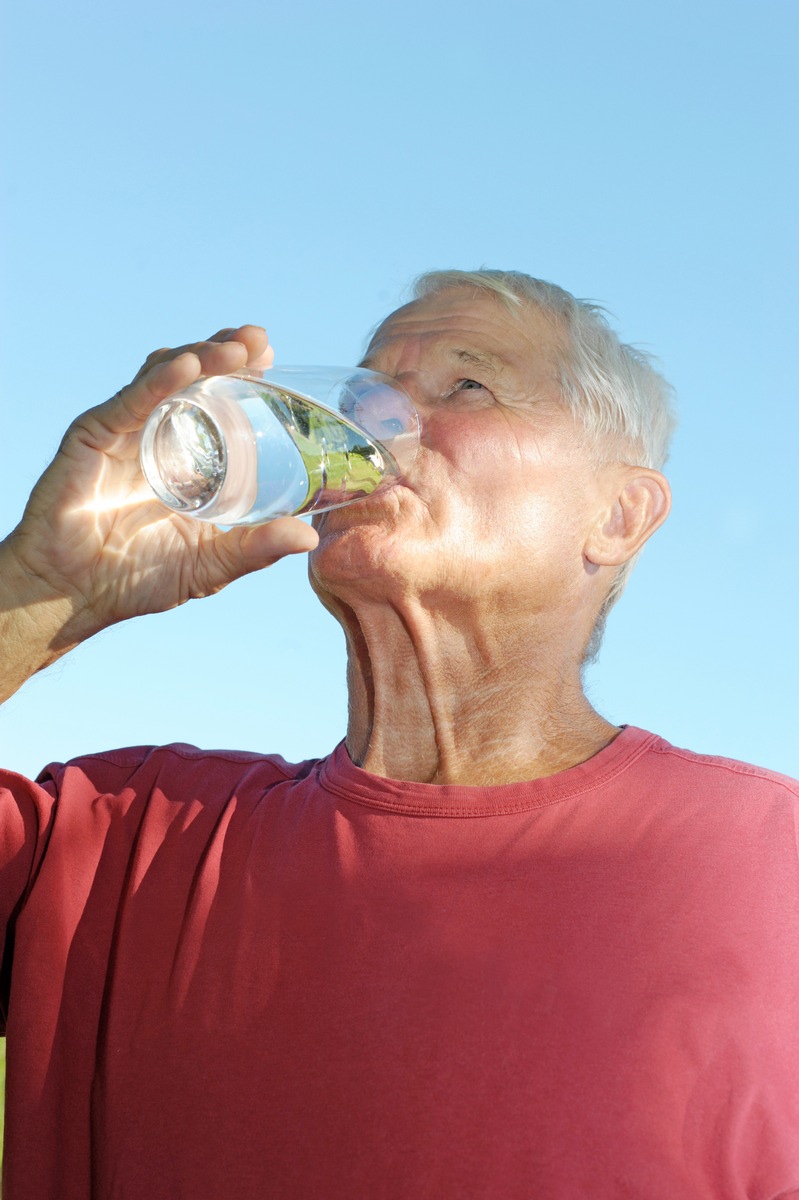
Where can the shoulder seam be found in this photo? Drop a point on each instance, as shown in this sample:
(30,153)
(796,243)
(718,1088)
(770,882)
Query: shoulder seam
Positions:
(732,766)
(138,755)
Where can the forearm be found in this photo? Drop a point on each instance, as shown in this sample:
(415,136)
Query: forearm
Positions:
(37,625)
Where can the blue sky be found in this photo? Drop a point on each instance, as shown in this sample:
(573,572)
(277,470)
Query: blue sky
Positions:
(171,169)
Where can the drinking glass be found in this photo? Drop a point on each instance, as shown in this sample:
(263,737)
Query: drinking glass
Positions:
(245,448)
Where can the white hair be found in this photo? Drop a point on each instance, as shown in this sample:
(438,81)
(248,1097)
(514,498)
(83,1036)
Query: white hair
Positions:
(613,389)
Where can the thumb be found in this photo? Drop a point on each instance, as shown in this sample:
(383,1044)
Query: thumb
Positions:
(248,548)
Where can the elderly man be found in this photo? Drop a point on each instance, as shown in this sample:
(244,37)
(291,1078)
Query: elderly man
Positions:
(492,946)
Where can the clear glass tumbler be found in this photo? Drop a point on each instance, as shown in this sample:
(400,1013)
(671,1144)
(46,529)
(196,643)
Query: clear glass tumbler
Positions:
(246,448)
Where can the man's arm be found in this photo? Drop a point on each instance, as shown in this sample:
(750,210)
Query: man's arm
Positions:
(94,547)
(34,624)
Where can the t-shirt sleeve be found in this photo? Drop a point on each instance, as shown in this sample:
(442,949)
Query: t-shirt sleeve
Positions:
(91,814)
(26,818)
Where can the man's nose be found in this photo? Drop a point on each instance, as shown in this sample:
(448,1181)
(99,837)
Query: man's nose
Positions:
(387,411)
(421,389)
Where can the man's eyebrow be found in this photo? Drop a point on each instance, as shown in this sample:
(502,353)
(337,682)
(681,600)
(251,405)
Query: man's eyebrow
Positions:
(479,358)
(474,358)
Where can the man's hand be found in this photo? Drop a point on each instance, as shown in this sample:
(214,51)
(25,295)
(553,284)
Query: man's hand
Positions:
(94,545)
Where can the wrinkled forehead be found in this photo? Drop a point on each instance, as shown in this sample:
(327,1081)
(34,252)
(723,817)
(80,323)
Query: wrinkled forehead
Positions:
(463,322)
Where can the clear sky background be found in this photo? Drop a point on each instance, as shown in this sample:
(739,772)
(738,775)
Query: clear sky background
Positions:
(172,168)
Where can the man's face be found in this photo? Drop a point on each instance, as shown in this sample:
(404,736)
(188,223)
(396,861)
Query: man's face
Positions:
(497,505)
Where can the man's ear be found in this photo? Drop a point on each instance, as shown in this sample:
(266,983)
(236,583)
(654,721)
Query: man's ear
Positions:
(641,505)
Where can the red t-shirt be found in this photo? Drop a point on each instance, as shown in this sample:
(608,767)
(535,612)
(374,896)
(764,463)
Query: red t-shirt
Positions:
(226,976)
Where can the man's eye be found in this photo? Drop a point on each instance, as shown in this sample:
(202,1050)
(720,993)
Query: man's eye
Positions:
(478,391)
(466,385)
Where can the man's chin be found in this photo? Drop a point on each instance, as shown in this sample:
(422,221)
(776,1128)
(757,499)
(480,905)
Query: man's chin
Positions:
(358,550)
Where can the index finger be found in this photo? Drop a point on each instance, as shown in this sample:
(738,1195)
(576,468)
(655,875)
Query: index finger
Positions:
(127,411)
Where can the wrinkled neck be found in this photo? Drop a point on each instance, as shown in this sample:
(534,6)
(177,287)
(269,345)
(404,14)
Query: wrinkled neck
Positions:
(447,697)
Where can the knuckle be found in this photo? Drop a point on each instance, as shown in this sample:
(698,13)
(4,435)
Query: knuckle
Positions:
(72,435)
